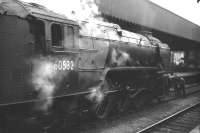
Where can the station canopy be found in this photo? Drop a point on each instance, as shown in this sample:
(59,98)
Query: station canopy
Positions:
(148,14)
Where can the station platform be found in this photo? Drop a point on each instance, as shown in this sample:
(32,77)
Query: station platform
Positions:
(192,88)
(195,130)
(189,89)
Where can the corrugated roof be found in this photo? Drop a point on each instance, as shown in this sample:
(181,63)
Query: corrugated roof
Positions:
(148,14)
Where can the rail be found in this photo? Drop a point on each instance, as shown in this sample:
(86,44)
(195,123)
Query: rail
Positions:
(166,123)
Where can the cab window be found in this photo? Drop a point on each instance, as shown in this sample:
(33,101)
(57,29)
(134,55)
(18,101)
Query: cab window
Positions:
(56,35)
(37,28)
(69,37)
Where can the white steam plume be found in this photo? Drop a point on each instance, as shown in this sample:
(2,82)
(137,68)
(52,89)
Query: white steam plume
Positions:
(45,78)
(42,79)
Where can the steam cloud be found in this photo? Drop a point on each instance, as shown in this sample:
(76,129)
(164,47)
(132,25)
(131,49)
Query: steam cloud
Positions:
(45,78)
(88,11)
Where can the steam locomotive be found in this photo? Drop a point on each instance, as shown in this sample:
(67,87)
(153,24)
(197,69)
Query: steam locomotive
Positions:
(49,62)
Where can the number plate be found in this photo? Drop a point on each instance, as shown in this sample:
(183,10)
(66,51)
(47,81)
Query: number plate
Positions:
(64,65)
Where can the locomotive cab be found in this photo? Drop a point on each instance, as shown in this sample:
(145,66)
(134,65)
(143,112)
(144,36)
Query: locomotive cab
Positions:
(31,39)
(57,46)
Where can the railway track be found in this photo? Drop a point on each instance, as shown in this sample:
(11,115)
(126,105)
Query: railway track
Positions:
(91,124)
(86,124)
(181,122)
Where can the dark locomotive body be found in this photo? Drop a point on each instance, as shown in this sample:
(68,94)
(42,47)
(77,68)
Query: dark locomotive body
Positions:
(94,62)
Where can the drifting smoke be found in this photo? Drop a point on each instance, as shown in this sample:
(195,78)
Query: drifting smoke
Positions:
(89,11)
(45,78)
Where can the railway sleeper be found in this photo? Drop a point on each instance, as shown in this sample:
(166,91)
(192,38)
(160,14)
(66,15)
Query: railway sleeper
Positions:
(166,130)
(189,123)
(176,128)
(179,124)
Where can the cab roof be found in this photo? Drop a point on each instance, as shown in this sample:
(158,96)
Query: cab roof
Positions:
(24,9)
